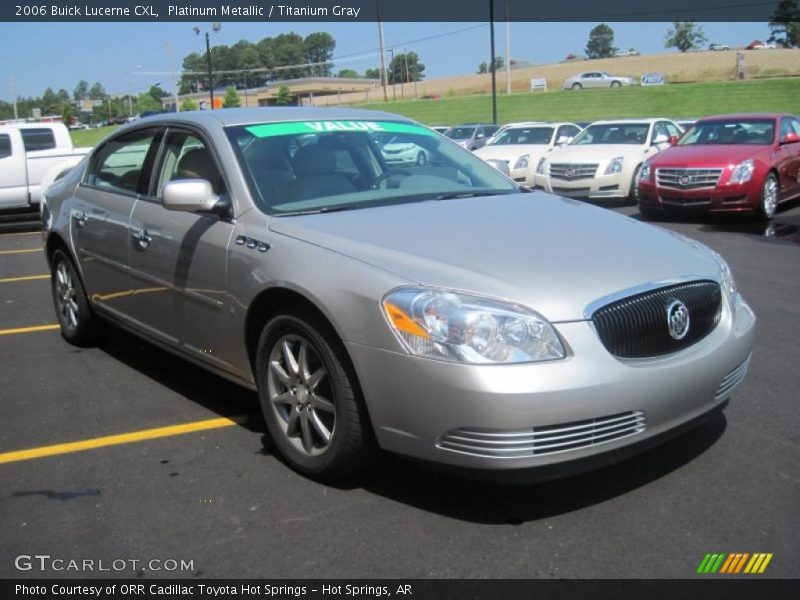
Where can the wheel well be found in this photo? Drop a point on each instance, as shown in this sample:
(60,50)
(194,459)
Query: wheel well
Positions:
(54,242)
(266,305)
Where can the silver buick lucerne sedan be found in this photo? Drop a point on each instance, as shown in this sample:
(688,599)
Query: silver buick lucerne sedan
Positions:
(434,310)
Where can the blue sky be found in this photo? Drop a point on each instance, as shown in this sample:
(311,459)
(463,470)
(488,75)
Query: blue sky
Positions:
(38,55)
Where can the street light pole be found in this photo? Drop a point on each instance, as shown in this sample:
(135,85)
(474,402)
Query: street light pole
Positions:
(210,76)
(394,79)
(494,70)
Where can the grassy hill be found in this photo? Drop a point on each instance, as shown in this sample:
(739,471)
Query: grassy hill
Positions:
(684,100)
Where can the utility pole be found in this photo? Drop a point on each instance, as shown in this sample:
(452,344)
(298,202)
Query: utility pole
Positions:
(394,79)
(210,80)
(14,97)
(130,99)
(494,70)
(171,58)
(405,58)
(508,51)
(383,53)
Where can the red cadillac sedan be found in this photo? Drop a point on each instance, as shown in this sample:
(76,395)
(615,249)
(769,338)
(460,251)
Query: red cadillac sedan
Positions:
(727,163)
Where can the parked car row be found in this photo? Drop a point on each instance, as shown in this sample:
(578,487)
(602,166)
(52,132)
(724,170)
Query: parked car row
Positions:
(727,163)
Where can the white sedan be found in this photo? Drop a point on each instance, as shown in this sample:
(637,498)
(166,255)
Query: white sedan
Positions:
(396,152)
(604,159)
(519,146)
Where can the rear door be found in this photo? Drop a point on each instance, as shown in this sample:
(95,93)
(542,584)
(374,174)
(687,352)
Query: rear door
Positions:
(13,170)
(789,159)
(179,259)
(100,216)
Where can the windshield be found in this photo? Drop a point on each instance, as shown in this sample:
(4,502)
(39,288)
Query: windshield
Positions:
(731,131)
(460,133)
(320,166)
(613,133)
(523,135)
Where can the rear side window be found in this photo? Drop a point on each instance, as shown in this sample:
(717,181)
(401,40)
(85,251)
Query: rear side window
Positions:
(5,145)
(38,139)
(118,165)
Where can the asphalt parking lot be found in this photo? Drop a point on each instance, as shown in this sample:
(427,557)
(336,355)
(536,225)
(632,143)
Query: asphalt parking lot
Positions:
(209,490)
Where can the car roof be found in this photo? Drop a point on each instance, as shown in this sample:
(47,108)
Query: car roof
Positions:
(744,116)
(227,117)
(649,121)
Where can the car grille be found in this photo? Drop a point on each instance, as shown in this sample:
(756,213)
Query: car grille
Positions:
(572,172)
(637,326)
(731,380)
(539,441)
(686,202)
(688,179)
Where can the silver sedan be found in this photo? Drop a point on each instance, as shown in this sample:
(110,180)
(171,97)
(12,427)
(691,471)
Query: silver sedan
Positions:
(596,79)
(436,311)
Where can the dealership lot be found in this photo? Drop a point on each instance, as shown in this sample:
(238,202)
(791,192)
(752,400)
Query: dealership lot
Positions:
(208,490)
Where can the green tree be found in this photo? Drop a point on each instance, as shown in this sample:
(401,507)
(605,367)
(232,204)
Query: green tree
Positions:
(157,92)
(348,73)
(284,97)
(319,48)
(188,104)
(601,42)
(499,63)
(785,24)
(81,91)
(231,99)
(685,36)
(96,92)
(405,68)
(145,102)
(372,73)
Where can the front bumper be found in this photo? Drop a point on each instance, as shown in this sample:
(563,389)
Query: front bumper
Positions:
(601,186)
(416,404)
(402,158)
(726,198)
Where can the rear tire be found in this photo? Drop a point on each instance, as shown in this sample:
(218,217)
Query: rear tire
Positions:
(616,84)
(79,325)
(310,398)
(768,204)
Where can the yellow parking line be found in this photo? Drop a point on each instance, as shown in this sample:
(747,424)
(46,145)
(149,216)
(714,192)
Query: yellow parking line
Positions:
(29,329)
(123,438)
(28,251)
(25,278)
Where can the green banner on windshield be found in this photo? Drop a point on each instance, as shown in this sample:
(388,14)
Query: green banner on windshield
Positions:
(307,127)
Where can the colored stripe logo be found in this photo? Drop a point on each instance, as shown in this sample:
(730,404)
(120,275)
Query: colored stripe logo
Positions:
(735,562)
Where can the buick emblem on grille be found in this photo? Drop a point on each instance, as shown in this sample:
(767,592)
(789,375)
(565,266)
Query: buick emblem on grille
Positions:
(677,319)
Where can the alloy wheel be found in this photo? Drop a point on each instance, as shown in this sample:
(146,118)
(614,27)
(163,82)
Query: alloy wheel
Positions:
(299,390)
(66,296)
(770,197)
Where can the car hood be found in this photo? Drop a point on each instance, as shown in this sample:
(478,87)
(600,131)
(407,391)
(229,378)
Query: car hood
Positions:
(512,151)
(593,152)
(554,255)
(695,156)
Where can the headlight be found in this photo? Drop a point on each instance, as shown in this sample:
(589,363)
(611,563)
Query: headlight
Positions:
(726,275)
(615,165)
(540,166)
(522,162)
(743,172)
(469,329)
(644,172)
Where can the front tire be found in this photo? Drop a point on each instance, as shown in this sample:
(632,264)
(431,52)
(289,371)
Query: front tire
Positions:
(79,325)
(310,398)
(633,193)
(768,204)
(576,86)
(422,159)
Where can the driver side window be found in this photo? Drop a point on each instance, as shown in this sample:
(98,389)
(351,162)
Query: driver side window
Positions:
(186,156)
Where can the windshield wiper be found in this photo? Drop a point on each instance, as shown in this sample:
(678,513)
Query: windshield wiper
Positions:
(462,194)
(315,211)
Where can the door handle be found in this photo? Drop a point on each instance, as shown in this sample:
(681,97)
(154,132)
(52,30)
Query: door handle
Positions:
(142,238)
(80,217)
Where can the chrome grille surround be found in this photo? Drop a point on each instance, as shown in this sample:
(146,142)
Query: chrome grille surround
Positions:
(732,379)
(688,179)
(541,441)
(573,171)
(636,326)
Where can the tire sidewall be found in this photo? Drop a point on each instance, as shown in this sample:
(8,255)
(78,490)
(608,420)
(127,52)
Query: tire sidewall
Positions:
(274,330)
(762,212)
(83,333)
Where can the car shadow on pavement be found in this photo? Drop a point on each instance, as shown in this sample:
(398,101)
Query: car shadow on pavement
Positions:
(488,503)
(182,377)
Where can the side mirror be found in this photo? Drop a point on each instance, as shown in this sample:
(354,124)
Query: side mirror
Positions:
(564,139)
(660,139)
(673,139)
(790,138)
(190,195)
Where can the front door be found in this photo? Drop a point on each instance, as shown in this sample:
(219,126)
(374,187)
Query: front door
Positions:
(179,259)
